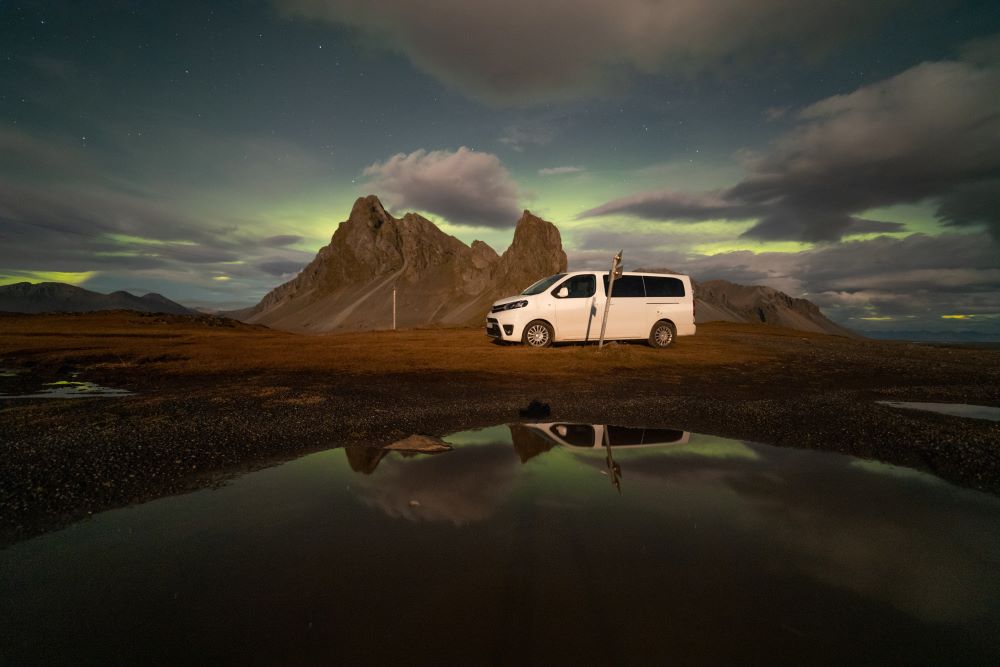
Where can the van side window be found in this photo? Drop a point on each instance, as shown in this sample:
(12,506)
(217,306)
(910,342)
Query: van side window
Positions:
(578,435)
(619,436)
(657,286)
(626,286)
(580,287)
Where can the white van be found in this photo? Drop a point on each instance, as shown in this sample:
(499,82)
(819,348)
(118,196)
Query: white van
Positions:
(596,436)
(655,307)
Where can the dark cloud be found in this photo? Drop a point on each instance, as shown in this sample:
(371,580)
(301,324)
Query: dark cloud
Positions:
(973,204)
(525,51)
(21,152)
(281,267)
(929,133)
(914,281)
(280,240)
(465,186)
(126,236)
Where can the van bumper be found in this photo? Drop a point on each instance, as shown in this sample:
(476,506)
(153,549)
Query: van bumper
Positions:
(504,326)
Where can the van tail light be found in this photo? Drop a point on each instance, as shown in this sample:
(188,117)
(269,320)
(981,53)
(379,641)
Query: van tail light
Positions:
(694,309)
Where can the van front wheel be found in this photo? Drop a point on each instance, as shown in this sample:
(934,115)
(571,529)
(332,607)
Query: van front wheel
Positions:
(662,335)
(538,333)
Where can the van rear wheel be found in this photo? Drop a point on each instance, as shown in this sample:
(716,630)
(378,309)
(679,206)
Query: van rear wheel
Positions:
(662,334)
(538,333)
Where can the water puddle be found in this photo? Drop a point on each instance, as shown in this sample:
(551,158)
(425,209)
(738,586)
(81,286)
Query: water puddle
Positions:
(568,543)
(66,389)
(953,409)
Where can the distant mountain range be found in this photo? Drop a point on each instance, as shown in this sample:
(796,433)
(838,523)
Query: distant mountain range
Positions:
(723,301)
(438,281)
(63,298)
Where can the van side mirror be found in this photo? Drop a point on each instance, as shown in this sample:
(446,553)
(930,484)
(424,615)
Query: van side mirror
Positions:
(563,292)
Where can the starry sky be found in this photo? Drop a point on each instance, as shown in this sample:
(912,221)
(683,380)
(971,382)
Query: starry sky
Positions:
(847,152)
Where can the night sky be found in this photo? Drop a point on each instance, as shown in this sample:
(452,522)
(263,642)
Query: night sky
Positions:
(848,152)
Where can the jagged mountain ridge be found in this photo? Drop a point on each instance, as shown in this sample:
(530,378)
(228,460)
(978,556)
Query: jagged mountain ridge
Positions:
(724,301)
(438,279)
(52,297)
(721,300)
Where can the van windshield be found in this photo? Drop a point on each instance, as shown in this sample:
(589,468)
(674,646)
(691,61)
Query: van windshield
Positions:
(543,284)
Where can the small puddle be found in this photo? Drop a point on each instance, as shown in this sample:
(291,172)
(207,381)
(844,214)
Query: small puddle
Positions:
(953,409)
(62,389)
(576,543)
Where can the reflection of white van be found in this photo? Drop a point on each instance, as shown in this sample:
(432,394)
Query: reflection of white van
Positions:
(569,307)
(592,436)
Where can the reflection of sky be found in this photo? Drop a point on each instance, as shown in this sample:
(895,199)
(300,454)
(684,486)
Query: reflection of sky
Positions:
(710,537)
(890,533)
(953,409)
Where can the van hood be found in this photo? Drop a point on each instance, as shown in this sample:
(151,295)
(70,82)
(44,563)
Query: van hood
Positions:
(511,299)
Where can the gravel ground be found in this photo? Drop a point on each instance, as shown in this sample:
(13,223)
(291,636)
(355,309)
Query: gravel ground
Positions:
(66,459)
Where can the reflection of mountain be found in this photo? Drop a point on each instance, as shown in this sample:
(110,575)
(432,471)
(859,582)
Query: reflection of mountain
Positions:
(364,459)
(463,485)
(528,442)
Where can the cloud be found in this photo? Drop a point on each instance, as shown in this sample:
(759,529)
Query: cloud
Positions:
(21,152)
(772,114)
(280,240)
(558,171)
(523,135)
(521,52)
(462,486)
(464,186)
(929,133)
(281,267)
(118,235)
(912,281)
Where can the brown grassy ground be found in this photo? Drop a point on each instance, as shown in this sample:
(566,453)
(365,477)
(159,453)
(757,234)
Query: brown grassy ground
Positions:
(214,397)
(181,346)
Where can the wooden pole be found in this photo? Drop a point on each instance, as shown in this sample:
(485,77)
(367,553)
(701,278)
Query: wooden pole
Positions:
(615,262)
(393,307)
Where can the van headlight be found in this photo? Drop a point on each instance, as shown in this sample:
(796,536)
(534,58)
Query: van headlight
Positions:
(516,304)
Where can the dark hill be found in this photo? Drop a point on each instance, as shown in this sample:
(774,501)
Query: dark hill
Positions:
(63,298)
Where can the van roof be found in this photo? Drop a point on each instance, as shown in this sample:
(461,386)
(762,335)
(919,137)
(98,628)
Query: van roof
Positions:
(629,273)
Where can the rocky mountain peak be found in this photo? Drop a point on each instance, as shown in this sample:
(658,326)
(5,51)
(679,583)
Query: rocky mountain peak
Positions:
(535,252)
(436,277)
(368,211)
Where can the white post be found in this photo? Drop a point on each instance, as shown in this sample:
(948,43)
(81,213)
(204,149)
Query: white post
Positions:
(393,307)
(607,301)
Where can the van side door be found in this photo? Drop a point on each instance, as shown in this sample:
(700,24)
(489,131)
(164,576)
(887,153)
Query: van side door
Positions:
(627,317)
(575,313)
(667,297)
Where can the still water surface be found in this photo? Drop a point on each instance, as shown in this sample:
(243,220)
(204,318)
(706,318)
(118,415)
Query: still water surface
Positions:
(519,547)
